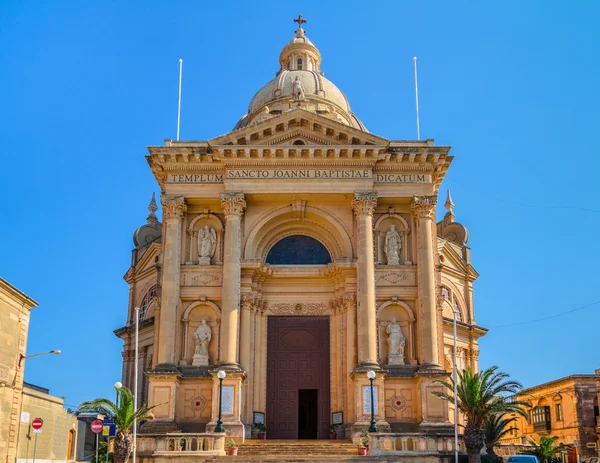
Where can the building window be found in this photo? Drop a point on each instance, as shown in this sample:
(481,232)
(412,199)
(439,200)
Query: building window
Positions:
(299,66)
(146,302)
(541,418)
(299,142)
(456,308)
(298,250)
(559,414)
(445,293)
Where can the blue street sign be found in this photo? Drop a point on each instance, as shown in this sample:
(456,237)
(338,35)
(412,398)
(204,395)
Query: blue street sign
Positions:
(112,428)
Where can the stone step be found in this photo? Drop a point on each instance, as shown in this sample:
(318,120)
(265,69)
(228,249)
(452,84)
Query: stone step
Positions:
(296,459)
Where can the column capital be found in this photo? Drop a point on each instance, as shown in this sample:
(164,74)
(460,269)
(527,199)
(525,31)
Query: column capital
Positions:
(364,203)
(233,204)
(173,207)
(423,207)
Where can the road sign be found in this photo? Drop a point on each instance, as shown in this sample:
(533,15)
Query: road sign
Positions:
(575,443)
(110,428)
(37,431)
(37,423)
(97,426)
(25,416)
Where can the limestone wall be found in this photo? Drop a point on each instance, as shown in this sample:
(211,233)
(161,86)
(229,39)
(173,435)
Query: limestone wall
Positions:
(57,441)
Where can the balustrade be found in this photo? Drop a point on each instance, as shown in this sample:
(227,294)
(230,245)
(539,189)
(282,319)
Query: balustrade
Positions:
(184,444)
(412,444)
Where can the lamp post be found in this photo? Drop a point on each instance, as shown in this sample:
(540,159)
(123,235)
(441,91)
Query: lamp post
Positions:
(23,357)
(221,375)
(373,428)
(135,383)
(455,393)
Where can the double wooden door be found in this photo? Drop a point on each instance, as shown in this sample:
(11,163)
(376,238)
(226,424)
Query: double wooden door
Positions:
(298,377)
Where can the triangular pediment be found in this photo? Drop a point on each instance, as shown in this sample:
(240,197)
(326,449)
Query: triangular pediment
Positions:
(453,261)
(145,264)
(295,126)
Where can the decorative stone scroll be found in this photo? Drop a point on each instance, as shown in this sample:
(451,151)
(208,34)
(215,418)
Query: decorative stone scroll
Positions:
(364,203)
(173,207)
(423,207)
(290,308)
(343,303)
(233,204)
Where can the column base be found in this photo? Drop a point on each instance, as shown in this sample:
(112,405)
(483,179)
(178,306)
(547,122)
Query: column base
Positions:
(435,427)
(233,429)
(363,367)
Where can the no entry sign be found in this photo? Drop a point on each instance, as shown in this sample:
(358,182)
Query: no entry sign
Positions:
(37,423)
(97,426)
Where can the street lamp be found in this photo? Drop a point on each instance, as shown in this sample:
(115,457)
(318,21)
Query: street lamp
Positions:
(135,382)
(454,381)
(221,375)
(371,375)
(23,357)
(118,385)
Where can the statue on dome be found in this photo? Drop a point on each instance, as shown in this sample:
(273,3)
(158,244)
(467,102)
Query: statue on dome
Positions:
(393,243)
(207,243)
(297,88)
(396,343)
(202,336)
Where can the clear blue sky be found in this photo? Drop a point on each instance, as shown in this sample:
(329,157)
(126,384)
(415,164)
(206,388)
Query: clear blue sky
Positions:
(511,85)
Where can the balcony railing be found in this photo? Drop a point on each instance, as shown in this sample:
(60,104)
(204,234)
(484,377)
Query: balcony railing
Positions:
(542,426)
(412,444)
(181,444)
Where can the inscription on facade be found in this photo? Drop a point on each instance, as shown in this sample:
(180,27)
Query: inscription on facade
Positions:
(401,178)
(299,174)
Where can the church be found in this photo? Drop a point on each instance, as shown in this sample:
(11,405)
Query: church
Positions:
(297,253)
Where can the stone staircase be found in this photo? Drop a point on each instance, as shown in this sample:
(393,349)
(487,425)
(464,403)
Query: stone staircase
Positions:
(285,451)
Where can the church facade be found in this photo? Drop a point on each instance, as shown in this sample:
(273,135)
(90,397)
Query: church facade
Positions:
(296,253)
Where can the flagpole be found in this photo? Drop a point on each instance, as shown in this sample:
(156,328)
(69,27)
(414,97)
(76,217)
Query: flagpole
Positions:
(135,383)
(179,100)
(417,99)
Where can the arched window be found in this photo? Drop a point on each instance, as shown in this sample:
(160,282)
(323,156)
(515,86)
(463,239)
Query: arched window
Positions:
(456,308)
(298,142)
(146,302)
(298,250)
(299,64)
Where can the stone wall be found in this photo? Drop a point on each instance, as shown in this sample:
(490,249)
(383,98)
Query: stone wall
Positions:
(57,441)
(14,326)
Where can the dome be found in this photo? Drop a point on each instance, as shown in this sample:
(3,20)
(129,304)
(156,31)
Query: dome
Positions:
(300,83)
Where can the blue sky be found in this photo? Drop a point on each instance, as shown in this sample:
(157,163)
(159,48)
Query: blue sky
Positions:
(512,86)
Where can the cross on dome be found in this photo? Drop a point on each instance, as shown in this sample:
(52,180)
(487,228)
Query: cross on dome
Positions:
(300,20)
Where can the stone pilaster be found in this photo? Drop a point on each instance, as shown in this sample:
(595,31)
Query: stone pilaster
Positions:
(174,209)
(233,205)
(423,209)
(364,206)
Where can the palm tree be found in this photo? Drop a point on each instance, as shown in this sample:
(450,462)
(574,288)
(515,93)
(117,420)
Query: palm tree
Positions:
(481,395)
(494,429)
(546,451)
(122,413)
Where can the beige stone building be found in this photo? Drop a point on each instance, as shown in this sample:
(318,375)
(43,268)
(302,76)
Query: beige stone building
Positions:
(14,327)
(57,441)
(566,408)
(297,252)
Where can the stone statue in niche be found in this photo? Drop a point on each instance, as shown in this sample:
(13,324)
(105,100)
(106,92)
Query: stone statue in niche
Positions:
(297,88)
(393,243)
(202,336)
(207,243)
(396,343)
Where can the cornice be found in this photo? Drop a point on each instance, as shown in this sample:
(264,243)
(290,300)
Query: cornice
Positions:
(480,330)
(552,384)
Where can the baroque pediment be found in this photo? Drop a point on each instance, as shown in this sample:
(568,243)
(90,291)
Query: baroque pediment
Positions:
(454,261)
(298,125)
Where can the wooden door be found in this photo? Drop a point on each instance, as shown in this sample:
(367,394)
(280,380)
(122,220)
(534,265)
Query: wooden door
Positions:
(297,358)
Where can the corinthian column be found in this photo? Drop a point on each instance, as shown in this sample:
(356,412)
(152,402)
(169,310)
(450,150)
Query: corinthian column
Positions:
(364,206)
(423,208)
(174,210)
(233,205)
